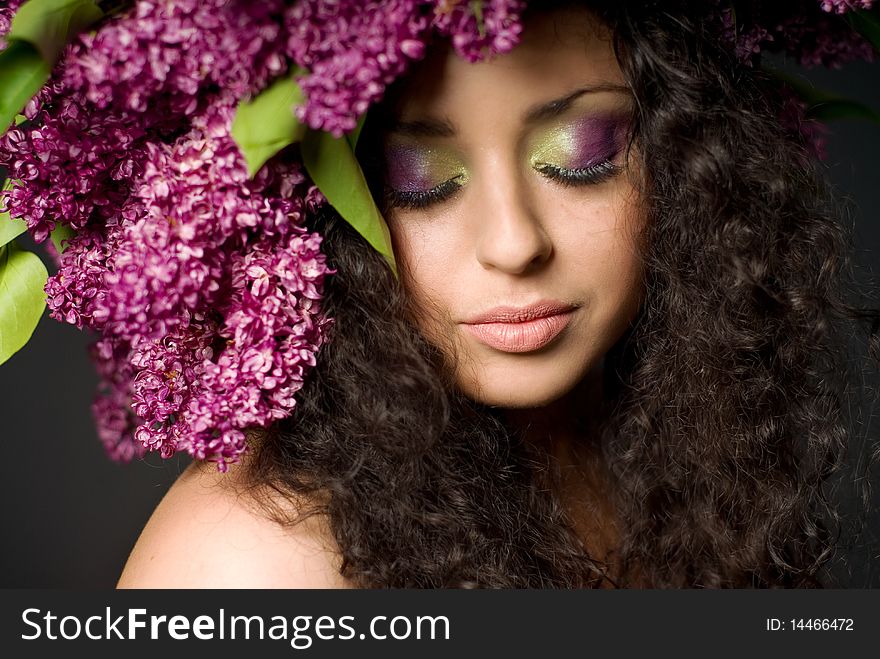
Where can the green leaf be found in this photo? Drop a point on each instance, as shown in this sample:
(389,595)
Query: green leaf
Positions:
(477,10)
(866,23)
(331,163)
(356,133)
(49,24)
(22,73)
(22,299)
(842,108)
(59,233)
(825,105)
(10,228)
(266,124)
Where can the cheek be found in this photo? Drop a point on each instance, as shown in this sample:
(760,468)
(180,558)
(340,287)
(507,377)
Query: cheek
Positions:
(597,246)
(427,260)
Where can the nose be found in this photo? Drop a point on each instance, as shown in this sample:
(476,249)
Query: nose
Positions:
(511,237)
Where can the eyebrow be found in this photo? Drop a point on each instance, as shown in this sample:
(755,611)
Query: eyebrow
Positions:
(535,114)
(557,106)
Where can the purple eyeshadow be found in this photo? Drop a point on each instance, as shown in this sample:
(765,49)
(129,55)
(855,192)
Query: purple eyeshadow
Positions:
(406,169)
(595,140)
(419,168)
(583,143)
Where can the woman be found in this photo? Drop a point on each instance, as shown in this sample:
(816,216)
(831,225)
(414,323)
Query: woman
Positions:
(613,357)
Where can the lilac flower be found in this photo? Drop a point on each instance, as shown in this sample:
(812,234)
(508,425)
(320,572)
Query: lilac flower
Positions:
(474,37)
(114,419)
(750,43)
(815,34)
(192,197)
(201,386)
(203,282)
(841,6)
(143,74)
(72,165)
(197,397)
(75,293)
(6,13)
(199,257)
(352,51)
(159,58)
(823,40)
(273,330)
(167,379)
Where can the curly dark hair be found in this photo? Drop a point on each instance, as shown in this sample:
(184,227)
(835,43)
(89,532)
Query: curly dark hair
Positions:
(726,428)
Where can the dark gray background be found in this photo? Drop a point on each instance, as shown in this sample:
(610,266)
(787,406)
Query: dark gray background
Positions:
(70,515)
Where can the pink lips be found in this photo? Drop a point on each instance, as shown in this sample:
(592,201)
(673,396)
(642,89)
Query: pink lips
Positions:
(524,329)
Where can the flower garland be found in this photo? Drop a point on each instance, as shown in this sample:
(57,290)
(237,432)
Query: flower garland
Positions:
(154,155)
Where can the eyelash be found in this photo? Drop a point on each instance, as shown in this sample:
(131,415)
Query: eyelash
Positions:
(422,199)
(583,176)
(568,177)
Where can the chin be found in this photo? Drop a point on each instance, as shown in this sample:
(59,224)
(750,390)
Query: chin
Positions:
(521,391)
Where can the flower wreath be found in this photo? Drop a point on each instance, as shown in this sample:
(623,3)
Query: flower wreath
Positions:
(149,141)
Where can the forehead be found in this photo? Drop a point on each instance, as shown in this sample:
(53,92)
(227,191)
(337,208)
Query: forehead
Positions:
(559,50)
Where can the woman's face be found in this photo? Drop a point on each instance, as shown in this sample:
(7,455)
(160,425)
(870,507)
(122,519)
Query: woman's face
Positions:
(508,189)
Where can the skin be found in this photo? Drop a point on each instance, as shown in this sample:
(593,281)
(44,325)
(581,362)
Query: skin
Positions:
(207,532)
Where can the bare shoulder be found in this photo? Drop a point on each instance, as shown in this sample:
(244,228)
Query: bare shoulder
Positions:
(206,534)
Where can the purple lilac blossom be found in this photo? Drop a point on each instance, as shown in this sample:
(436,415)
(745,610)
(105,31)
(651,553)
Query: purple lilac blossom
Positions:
(258,298)
(751,42)
(159,59)
(193,196)
(823,40)
(195,397)
(204,284)
(841,6)
(7,11)
(816,34)
(233,365)
(74,293)
(140,76)
(351,51)
(72,164)
(111,408)
(500,30)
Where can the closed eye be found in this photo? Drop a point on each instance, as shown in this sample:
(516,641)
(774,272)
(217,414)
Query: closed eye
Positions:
(591,175)
(422,198)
